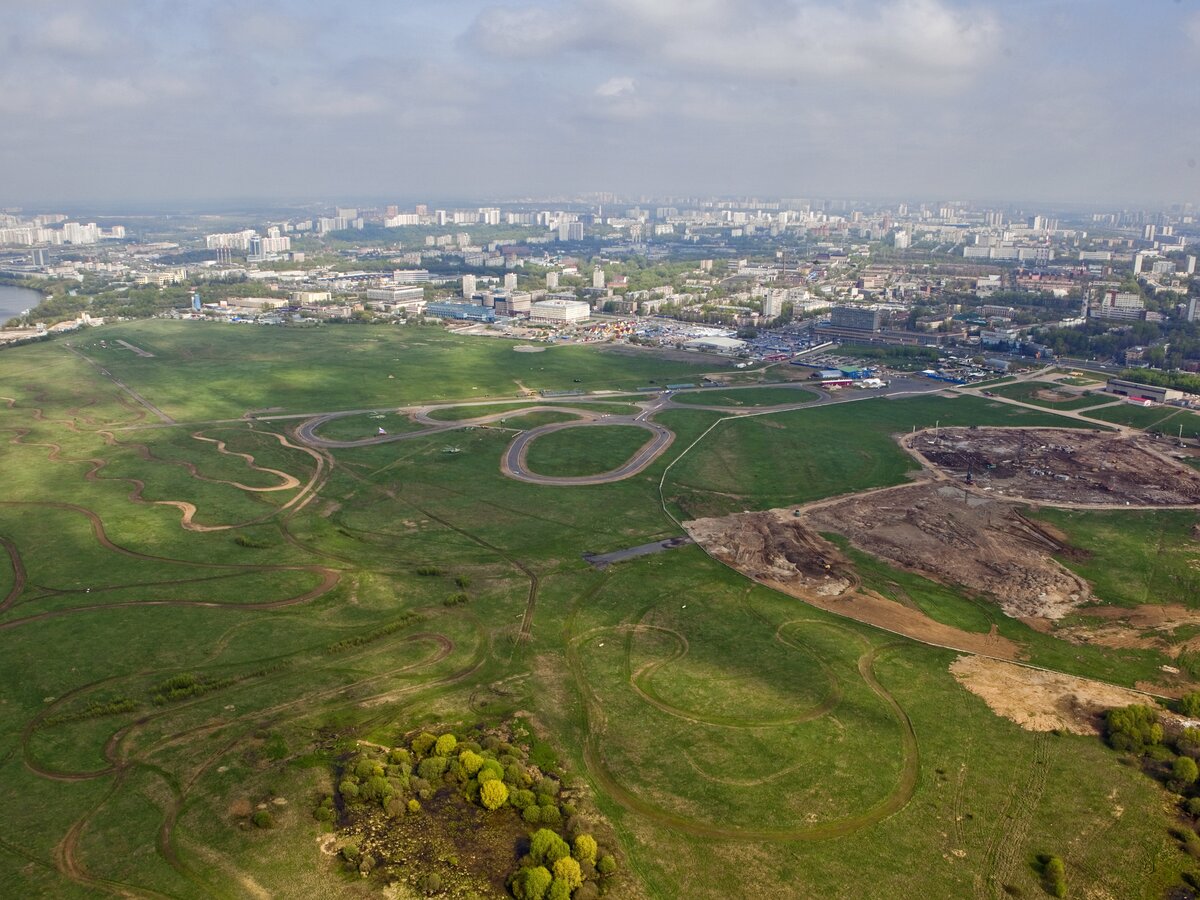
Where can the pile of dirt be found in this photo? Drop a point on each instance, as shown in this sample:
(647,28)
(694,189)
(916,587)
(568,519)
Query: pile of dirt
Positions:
(1062,466)
(1054,396)
(1038,700)
(959,538)
(769,547)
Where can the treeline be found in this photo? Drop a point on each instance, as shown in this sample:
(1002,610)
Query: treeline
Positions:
(1180,381)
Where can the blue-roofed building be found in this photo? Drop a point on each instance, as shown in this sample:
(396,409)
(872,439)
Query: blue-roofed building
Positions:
(468,312)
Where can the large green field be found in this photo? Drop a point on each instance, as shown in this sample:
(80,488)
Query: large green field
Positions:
(1027,392)
(774,396)
(739,742)
(209,371)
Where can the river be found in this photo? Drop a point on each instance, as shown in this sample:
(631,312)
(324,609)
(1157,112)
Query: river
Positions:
(14,300)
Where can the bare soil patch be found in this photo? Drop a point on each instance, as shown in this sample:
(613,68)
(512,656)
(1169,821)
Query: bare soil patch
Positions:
(959,538)
(782,552)
(1064,467)
(528,348)
(1038,700)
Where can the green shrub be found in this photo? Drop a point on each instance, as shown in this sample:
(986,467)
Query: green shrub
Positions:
(1184,770)
(551,815)
(430,883)
(1054,876)
(428,571)
(471,762)
(521,799)
(414,805)
(367,768)
(607,865)
(559,890)
(263,819)
(423,743)
(567,869)
(433,767)
(547,847)
(1134,728)
(1193,806)
(445,745)
(493,794)
(253,543)
(349,790)
(531,884)
(532,814)
(1189,705)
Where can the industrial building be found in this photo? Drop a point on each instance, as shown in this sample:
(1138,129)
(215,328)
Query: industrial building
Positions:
(716,344)
(856,318)
(468,312)
(1142,391)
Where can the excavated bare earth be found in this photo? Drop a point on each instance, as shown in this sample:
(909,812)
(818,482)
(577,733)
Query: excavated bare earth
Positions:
(1060,466)
(1038,700)
(958,538)
(783,553)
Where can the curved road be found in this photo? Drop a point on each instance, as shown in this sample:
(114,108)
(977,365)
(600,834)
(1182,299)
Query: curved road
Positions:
(513,462)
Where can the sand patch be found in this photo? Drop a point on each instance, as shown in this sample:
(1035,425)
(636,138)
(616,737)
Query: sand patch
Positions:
(1041,701)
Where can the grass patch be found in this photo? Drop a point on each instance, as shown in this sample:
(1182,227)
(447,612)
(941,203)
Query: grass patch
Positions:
(585,451)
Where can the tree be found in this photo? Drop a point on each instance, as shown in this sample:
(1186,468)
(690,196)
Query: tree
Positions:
(532,884)
(559,890)
(567,869)
(547,847)
(1184,770)
(493,794)
(585,848)
(1189,704)
(445,745)
(607,865)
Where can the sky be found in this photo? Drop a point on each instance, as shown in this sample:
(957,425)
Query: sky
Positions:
(152,102)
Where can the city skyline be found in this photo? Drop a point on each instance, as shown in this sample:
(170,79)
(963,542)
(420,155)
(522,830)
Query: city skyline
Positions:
(1062,102)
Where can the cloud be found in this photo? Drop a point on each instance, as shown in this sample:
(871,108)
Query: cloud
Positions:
(1192,29)
(620,86)
(910,40)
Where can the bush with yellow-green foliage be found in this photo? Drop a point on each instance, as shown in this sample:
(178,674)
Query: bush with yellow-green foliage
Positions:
(567,870)
(493,794)
(445,745)
(471,762)
(585,848)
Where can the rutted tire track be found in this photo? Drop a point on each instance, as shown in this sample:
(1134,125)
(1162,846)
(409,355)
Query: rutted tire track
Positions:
(596,726)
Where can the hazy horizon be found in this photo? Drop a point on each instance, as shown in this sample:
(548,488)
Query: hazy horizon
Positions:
(132,102)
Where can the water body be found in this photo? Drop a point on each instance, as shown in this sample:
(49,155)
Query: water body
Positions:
(15,300)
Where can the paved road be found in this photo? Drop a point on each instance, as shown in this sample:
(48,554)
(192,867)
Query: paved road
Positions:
(604,560)
(513,462)
(514,466)
(167,420)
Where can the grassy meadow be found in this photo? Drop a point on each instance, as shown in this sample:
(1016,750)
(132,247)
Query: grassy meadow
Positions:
(186,633)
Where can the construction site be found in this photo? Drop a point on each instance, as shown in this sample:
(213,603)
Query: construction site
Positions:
(964,524)
(1060,466)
